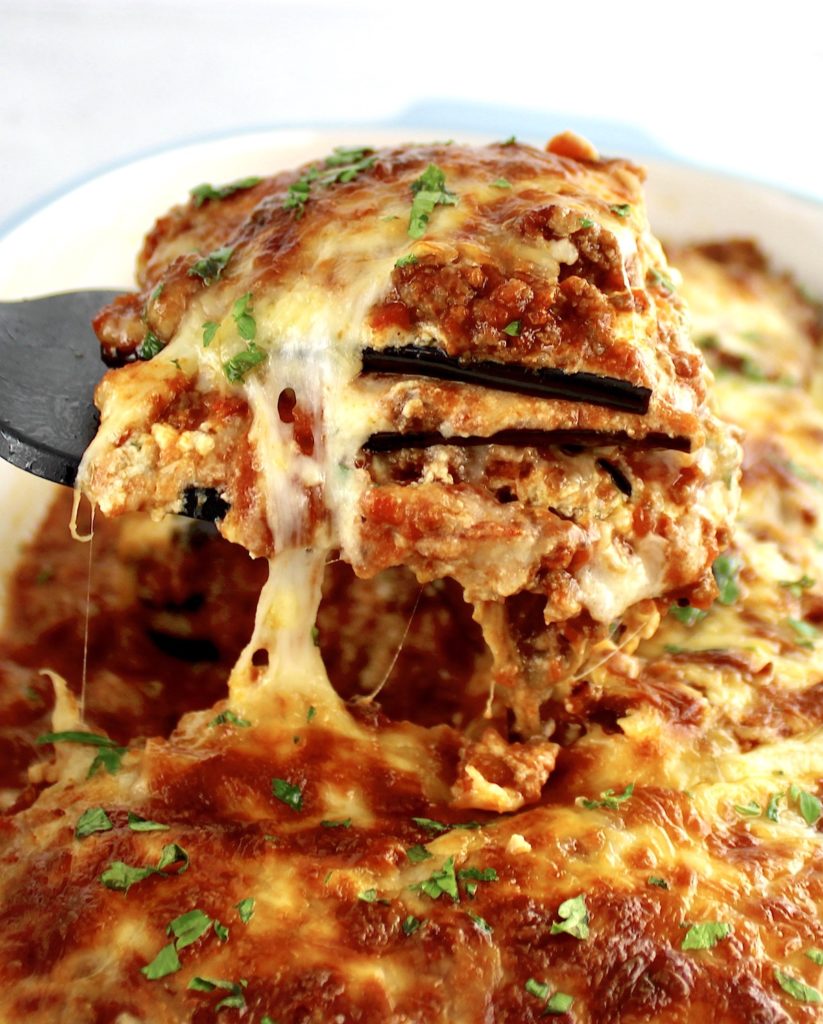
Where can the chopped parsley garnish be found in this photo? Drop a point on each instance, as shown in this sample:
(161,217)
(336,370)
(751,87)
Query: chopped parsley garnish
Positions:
(750,810)
(342,165)
(429,191)
(621,209)
(91,739)
(411,924)
(773,806)
(725,570)
(437,826)
(656,880)
(188,927)
(586,222)
(246,324)
(336,823)
(93,819)
(228,717)
(109,755)
(501,183)
(480,923)
(660,280)
(210,268)
(418,853)
(510,141)
(439,882)
(138,824)
(574,918)
(121,877)
(239,365)
(406,261)
(557,1003)
(171,854)
(209,331)
(221,931)
(796,587)
(609,799)
(706,935)
(150,346)
(291,796)
(478,874)
(166,962)
(202,193)
(245,908)
(805,631)
(512,329)
(686,614)
(312,711)
(370,896)
(236,1000)
(431,825)
(815,955)
(807,803)
(560,1002)
(796,988)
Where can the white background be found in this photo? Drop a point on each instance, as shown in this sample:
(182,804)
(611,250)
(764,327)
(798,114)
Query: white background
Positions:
(89,83)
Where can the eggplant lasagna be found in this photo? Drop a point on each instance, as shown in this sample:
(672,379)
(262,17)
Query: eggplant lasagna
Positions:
(529,720)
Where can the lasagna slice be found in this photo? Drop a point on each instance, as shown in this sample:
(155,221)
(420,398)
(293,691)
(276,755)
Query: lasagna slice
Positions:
(472,362)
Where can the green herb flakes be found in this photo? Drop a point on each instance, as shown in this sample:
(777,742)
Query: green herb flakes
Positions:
(560,1002)
(725,570)
(312,711)
(239,365)
(574,918)
(805,632)
(686,614)
(538,989)
(209,331)
(657,881)
(815,955)
(369,896)
(210,268)
(406,261)
(203,193)
(809,807)
(586,222)
(236,1000)
(750,810)
(429,191)
(418,853)
(150,346)
(166,962)
(336,823)
(121,876)
(430,825)
(109,754)
(93,819)
(512,329)
(245,908)
(172,854)
(246,324)
(440,882)
(411,924)
(188,927)
(501,183)
(228,717)
(609,799)
(705,935)
(480,923)
(343,165)
(621,209)
(510,141)
(797,989)
(796,587)
(221,931)
(291,796)
(138,824)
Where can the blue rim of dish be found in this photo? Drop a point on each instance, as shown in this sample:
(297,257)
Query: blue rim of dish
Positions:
(427,116)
